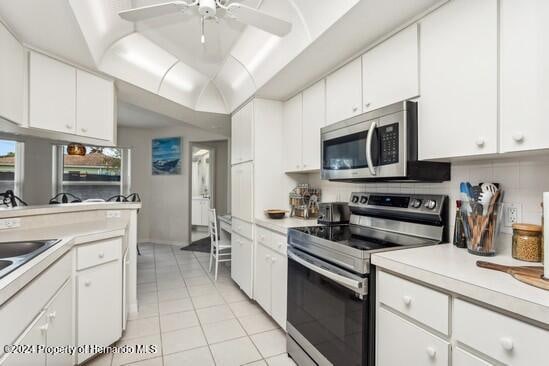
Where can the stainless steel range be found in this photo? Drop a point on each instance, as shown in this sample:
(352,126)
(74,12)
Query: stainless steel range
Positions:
(331,285)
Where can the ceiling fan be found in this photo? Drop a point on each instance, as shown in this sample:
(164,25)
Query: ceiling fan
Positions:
(212,9)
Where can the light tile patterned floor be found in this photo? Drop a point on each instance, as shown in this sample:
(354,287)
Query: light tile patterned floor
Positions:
(193,320)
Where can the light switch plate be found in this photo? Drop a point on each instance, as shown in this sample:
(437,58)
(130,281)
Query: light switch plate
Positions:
(512,213)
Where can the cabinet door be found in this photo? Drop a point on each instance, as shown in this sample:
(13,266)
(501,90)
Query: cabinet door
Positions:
(196,212)
(400,342)
(314,118)
(59,315)
(247,263)
(236,257)
(524,40)
(242,134)
(52,94)
(204,212)
(99,304)
(390,70)
(94,106)
(292,129)
(344,92)
(279,285)
(235,191)
(33,336)
(262,278)
(459,79)
(245,192)
(12,77)
(463,358)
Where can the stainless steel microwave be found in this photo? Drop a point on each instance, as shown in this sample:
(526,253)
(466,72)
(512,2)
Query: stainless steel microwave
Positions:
(381,145)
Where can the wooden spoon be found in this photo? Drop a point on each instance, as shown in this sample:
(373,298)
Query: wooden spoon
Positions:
(531,275)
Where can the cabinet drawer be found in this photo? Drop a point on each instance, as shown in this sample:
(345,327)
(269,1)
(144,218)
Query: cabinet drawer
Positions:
(423,304)
(98,253)
(462,358)
(264,236)
(400,342)
(279,243)
(505,339)
(242,228)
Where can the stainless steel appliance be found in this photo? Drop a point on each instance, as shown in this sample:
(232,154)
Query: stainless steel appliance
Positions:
(331,284)
(381,145)
(334,213)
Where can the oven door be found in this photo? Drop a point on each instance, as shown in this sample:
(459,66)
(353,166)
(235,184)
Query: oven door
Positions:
(328,312)
(356,149)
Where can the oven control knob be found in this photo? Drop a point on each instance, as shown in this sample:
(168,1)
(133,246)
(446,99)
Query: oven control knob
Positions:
(430,204)
(363,200)
(354,199)
(416,203)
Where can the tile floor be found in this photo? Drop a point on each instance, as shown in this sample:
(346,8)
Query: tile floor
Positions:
(193,320)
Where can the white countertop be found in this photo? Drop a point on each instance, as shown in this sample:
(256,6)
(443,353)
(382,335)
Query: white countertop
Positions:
(70,236)
(454,270)
(66,207)
(282,225)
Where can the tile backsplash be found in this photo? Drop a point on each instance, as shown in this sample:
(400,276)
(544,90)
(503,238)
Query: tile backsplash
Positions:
(523,180)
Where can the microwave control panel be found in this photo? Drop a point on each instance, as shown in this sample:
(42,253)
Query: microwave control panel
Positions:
(388,139)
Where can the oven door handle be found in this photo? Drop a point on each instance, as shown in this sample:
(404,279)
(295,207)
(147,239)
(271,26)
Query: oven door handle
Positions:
(350,283)
(371,166)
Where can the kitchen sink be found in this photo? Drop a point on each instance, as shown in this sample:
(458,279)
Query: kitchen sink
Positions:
(4,264)
(15,254)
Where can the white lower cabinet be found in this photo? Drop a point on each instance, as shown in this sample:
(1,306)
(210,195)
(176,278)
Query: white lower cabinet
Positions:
(400,343)
(464,358)
(52,327)
(270,275)
(241,262)
(478,336)
(99,303)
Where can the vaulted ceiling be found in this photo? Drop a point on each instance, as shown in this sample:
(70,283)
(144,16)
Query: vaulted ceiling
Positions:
(165,56)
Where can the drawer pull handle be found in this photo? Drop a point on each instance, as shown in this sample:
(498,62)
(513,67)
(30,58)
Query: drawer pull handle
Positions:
(431,352)
(506,343)
(407,300)
(101,255)
(87,283)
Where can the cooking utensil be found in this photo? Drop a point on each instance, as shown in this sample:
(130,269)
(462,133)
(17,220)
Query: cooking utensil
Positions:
(476,191)
(489,187)
(531,275)
(485,198)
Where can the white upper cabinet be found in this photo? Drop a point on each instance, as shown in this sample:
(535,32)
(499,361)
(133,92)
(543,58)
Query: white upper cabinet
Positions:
(52,94)
(344,92)
(314,118)
(390,70)
(12,77)
(292,133)
(458,108)
(524,75)
(242,134)
(94,106)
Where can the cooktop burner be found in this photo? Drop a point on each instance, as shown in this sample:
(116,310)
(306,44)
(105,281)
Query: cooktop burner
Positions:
(350,236)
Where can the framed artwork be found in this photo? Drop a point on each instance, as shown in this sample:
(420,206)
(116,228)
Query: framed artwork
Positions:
(166,156)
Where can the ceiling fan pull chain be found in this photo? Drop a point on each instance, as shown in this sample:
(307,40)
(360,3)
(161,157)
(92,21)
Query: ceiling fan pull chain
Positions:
(203,37)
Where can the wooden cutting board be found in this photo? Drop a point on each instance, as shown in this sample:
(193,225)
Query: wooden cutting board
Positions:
(531,275)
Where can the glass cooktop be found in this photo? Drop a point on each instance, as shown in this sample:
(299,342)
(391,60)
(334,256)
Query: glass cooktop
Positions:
(361,237)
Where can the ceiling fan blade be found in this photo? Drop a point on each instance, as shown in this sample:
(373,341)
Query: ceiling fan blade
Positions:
(259,19)
(152,11)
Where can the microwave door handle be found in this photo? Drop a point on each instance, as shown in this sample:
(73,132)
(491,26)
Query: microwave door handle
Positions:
(371,166)
(342,280)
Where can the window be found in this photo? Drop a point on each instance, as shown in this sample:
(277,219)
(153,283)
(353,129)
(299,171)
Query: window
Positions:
(10,165)
(100,174)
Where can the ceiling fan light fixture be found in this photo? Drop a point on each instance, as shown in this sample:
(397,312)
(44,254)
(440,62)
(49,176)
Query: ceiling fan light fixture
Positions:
(207,8)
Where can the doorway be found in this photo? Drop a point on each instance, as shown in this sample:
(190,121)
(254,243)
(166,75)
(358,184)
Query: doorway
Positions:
(202,189)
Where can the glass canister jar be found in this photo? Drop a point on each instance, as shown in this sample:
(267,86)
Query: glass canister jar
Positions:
(527,242)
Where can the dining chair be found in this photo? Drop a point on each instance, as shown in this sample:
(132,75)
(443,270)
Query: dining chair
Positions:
(220,250)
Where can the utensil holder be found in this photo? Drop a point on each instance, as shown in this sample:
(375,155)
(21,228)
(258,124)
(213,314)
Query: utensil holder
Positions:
(481,227)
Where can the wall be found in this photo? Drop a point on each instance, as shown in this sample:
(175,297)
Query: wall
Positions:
(523,180)
(165,215)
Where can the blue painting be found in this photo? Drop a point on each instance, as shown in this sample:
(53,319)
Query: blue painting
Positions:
(166,156)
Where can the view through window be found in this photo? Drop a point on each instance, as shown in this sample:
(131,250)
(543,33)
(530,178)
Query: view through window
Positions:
(94,175)
(7,165)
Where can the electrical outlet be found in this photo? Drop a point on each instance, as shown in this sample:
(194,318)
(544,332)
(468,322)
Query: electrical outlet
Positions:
(10,223)
(512,213)
(113,214)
